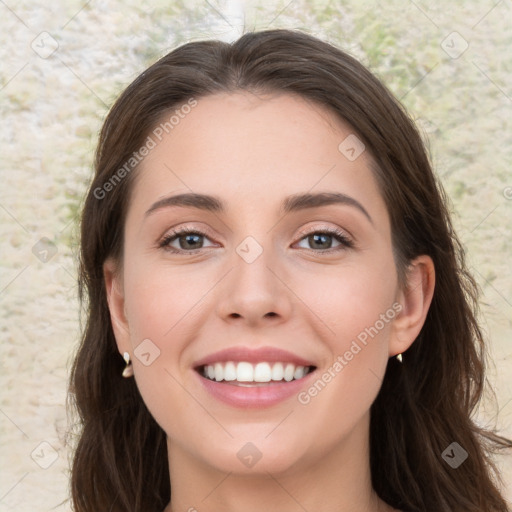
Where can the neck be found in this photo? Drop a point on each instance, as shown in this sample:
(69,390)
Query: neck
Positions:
(338,480)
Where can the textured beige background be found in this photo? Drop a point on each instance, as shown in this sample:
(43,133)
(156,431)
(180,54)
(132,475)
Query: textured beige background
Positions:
(52,106)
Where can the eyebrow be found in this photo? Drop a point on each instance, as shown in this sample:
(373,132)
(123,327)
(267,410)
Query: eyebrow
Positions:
(290,204)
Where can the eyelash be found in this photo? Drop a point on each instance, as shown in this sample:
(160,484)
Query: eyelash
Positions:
(340,236)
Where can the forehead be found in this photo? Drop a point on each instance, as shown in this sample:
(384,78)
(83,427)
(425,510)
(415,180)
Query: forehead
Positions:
(253,150)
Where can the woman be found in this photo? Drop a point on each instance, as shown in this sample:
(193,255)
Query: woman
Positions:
(268,260)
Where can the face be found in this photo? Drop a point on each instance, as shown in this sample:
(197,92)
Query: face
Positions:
(221,302)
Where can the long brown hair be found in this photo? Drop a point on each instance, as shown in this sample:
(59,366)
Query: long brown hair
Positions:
(425,404)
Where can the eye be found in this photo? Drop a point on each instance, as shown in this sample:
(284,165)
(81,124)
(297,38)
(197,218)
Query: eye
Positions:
(188,240)
(321,240)
(191,241)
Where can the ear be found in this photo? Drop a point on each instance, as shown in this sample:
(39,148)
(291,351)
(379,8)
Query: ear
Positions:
(115,299)
(415,300)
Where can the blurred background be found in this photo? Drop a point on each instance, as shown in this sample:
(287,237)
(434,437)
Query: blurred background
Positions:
(63,65)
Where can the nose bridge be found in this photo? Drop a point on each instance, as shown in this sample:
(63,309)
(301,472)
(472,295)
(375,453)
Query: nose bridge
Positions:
(254,290)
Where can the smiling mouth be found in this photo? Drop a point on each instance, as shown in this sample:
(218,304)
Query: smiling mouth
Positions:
(246,374)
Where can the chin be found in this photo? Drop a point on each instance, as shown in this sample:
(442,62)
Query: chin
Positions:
(273,463)
(254,458)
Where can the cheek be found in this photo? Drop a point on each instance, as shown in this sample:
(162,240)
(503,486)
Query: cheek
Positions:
(364,313)
(349,299)
(162,307)
(357,303)
(160,300)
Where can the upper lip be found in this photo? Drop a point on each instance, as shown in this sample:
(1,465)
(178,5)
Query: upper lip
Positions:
(251,355)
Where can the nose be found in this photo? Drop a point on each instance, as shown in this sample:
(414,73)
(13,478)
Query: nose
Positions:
(255,294)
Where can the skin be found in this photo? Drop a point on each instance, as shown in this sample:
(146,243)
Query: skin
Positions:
(252,151)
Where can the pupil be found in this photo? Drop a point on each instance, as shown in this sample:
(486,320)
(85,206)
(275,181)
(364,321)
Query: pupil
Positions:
(315,238)
(189,240)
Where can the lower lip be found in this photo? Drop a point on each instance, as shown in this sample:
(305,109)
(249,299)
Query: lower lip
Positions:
(257,396)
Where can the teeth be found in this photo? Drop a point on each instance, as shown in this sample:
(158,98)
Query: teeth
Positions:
(277,371)
(219,371)
(289,370)
(260,372)
(299,372)
(230,371)
(245,372)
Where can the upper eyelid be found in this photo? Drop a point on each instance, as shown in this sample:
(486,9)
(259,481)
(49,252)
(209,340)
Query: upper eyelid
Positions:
(174,231)
(204,231)
(327,229)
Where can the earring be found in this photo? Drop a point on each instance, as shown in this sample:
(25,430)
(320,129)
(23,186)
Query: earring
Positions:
(128,371)
(399,357)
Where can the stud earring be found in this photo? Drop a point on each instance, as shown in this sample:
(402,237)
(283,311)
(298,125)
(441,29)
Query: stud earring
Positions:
(128,370)
(399,357)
